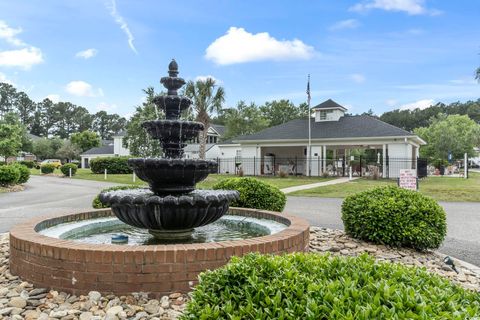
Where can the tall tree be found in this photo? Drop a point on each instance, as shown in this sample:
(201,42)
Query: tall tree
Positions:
(42,148)
(10,138)
(25,109)
(207,98)
(282,111)
(68,152)
(244,119)
(106,125)
(8,95)
(85,140)
(136,139)
(457,134)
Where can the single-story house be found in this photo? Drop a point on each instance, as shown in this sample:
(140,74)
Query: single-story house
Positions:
(333,136)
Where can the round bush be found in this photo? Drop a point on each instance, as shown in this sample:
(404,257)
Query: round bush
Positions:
(114,165)
(24,172)
(96,204)
(47,168)
(313,286)
(396,217)
(9,175)
(66,169)
(254,194)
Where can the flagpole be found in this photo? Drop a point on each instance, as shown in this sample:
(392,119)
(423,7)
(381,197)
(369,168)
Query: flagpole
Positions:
(309,129)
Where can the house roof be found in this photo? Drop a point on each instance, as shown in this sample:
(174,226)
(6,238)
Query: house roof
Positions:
(219,128)
(108,149)
(345,127)
(329,104)
(32,136)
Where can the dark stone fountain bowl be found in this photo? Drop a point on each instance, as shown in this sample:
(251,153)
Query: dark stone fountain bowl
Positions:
(173,105)
(173,130)
(168,217)
(172,176)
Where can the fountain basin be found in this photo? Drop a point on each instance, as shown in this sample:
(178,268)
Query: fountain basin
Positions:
(77,268)
(169,216)
(172,105)
(172,130)
(170,176)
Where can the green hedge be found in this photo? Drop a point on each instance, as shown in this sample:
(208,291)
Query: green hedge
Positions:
(254,193)
(313,286)
(114,165)
(24,172)
(47,168)
(96,201)
(66,169)
(28,163)
(394,216)
(9,175)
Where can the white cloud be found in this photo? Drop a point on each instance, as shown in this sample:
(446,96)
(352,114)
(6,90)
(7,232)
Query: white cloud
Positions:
(24,58)
(420,104)
(345,24)
(357,78)
(391,102)
(239,46)
(465,80)
(87,54)
(203,78)
(112,6)
(106,106)
(82,89)
(10,34)
(53,97)
(412,7)
(4,79)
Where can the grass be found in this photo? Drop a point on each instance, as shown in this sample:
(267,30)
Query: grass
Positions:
(439,188)
(208,183)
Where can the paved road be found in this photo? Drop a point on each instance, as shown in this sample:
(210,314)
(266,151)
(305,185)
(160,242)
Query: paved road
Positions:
(44,195)
(463,221)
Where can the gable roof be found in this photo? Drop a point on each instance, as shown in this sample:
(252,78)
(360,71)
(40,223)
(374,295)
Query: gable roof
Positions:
(329,104)
(345,127)
(219,128)
(108,149)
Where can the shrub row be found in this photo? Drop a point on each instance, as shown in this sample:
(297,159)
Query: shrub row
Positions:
(396,217)
(313,286)
(254,194)
(12,174)
(114,165)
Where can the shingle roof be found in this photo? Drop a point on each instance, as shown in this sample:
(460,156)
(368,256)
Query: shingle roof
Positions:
(219,128)
(329,104)
(108,149)
(345,127)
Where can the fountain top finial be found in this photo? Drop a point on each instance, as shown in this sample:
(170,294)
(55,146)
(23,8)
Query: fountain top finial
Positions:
(173,68)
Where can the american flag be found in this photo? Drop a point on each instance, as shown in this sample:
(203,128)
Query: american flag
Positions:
(308,90)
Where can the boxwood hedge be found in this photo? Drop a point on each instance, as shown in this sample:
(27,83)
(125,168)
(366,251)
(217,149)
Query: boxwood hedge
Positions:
(66,169)
(114,165)
(396,217)
(47,168)
(312,286)
(254,193)
(24,172)
(9,175)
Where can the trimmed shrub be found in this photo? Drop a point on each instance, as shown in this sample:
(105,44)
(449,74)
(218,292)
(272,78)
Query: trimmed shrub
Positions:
(47,168)
(114,165)
(254,194)
(24,172)
(396,217)
(66,169)
(9,175)
(28,163)
(313,286)
(96,204)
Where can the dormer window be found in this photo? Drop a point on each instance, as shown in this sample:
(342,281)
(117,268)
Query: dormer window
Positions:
(329,111)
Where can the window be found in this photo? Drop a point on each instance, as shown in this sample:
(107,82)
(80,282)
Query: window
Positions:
(324,113)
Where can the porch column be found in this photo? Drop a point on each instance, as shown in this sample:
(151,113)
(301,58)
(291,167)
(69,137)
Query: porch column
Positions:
(308,161)
(384,161)
(324,158)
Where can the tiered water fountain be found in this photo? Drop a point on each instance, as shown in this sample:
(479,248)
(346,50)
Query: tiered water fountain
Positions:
(175,232)
(172,208)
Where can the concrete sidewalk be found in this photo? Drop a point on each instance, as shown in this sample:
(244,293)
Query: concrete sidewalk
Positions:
(315,185)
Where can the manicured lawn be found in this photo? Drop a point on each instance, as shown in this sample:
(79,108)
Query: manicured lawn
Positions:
(205,184)
(439,188)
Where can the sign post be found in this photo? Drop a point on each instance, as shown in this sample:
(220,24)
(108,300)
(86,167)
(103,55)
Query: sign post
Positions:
(408,179)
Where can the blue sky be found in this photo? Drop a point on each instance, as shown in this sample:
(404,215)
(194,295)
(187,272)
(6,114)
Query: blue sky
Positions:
(379,54)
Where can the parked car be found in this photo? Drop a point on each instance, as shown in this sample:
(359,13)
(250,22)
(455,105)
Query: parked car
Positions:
(56,162)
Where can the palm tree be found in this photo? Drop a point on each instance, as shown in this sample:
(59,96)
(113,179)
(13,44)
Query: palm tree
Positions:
(207,98)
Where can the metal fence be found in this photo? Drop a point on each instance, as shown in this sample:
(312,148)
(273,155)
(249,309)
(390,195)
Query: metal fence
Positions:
(360,166)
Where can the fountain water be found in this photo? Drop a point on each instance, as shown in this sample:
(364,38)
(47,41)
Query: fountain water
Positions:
(172,208)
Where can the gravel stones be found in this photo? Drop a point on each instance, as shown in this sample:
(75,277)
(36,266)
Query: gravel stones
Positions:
(338,243)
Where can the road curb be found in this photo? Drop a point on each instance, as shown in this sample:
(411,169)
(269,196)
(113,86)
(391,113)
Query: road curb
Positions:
(475,269)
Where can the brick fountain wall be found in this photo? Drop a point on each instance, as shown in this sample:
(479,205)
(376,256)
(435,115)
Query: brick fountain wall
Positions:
(78,268)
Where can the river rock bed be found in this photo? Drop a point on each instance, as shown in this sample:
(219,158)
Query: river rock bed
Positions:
(338,243)
(20,300)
